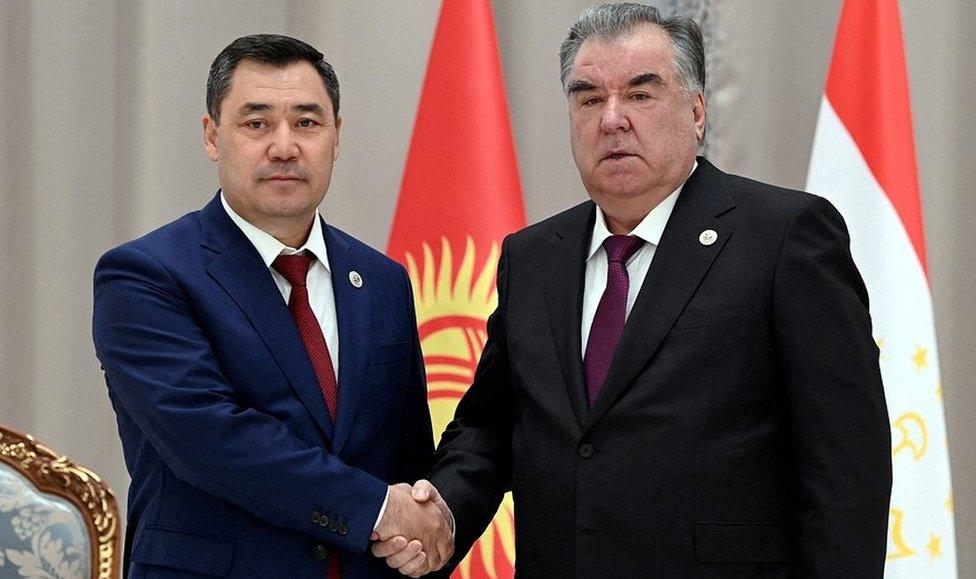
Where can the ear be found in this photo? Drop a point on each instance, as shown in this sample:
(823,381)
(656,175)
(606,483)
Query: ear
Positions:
(698,110)
(210,138)
(335,147)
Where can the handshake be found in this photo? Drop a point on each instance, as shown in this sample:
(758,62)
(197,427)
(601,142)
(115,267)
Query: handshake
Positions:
(416,533)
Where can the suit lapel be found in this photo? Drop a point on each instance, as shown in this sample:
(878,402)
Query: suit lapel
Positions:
(353,317)
(239,270)
(564,289)
(680,263)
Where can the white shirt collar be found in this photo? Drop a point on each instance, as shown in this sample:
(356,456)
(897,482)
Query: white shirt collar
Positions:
(269,248)
(649,229)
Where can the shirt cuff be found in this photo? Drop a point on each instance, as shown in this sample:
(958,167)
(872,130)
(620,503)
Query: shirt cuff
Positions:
(379,517)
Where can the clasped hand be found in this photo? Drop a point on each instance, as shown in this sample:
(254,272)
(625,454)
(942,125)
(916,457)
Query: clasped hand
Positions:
(416,533)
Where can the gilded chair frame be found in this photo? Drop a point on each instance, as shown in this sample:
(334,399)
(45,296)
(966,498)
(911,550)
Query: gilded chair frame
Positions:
(56,474)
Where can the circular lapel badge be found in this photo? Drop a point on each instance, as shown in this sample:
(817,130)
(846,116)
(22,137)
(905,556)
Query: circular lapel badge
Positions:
(355,279)
(708,237)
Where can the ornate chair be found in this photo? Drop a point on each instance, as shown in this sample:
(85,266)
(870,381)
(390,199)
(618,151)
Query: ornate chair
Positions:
(57,519)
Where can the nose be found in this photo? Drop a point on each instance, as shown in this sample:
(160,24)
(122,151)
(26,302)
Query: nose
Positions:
(283,145)
(614,117)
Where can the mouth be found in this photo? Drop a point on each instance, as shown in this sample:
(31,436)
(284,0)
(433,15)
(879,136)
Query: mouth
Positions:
(283,173)
(618,156)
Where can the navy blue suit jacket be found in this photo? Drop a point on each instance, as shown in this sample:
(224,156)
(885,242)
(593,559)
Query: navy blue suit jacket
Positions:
(237,469)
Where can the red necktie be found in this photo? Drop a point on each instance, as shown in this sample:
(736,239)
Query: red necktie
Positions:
(294,268)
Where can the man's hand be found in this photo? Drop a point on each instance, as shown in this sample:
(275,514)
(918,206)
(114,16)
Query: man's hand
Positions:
(421,515)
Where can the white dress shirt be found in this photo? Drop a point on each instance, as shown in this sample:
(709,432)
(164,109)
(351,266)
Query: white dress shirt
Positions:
(319,282)
(650,230)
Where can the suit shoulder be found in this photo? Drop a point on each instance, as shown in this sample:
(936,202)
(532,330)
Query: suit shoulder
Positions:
(164,243)
(772,211)
(770,201)
(536,232)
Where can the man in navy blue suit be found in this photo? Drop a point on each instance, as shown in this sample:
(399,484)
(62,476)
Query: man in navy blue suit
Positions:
(264,366)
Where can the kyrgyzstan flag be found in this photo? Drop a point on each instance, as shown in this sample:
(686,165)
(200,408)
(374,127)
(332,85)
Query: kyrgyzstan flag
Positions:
(863,160)
(460,197)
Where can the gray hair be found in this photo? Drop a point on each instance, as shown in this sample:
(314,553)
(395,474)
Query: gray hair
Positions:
(613,21)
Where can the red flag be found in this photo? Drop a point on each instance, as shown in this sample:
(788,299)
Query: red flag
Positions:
(863,160)
(868,87)
(460,197)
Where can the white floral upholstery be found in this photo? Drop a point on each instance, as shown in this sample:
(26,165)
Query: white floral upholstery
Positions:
(41,535)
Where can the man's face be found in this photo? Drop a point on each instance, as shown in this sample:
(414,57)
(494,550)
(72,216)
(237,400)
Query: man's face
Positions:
(634,131)
(275,144)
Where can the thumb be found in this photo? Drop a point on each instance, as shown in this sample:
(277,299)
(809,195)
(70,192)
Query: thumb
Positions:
(423,491)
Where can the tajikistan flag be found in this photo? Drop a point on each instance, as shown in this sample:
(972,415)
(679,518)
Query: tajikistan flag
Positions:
(863,161)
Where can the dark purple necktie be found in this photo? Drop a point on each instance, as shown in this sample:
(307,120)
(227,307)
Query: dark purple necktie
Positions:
(608,322)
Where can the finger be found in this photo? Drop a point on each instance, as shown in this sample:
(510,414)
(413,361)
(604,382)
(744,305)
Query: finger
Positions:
(374,536)
(405,556)
(384,549)
(422,491)
(445,510)
(444,555)
(438,557)
(416,566)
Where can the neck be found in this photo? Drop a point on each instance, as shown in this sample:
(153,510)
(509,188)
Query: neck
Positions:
(623,215)
(291,231)
(293,237)
(621,227)
(624,212)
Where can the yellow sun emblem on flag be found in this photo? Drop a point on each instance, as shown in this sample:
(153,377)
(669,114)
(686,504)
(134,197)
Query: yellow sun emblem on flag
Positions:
(452,312)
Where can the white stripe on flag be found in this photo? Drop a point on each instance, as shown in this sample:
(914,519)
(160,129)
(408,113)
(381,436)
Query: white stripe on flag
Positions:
(921,540)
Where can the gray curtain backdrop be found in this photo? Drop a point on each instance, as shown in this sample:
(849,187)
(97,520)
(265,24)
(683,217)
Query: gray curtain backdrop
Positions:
(100,141)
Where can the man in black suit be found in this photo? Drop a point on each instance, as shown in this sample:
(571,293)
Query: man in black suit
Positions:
(680,379)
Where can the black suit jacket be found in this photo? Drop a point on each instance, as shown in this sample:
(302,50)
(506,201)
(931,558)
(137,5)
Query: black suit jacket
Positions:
(741,430)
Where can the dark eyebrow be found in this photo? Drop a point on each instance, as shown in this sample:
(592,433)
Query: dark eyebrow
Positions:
(253,107)
(579,86)
(647,78)
(313,108)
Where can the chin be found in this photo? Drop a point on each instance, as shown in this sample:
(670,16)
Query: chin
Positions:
(287,187)
(622,187)
(285,208)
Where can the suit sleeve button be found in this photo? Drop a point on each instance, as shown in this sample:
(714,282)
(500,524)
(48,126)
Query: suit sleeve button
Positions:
(320,552)
(343,529)
(324,521)
(316,517)
(585,450)
(334,525)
